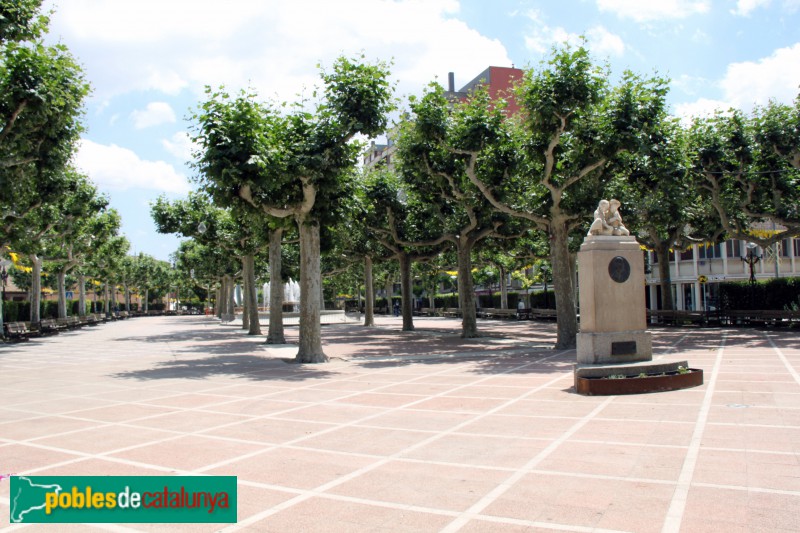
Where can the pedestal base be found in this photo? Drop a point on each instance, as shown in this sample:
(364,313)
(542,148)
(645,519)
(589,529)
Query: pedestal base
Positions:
(614,347)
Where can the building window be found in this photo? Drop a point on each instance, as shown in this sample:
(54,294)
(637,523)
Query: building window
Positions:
(786,247)
(710,252)
(796,247)
(734,248)
(688,254)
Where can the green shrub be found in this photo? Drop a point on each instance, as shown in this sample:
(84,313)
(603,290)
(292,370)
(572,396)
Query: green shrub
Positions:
(776,294)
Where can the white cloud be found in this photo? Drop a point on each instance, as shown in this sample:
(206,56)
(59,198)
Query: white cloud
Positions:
(604,42)
(116,168)
(647,10)
(270,46)
(154,114)
(703,107)
(745,7)
(753,83)
(179,145)
(756,82)
(542,37)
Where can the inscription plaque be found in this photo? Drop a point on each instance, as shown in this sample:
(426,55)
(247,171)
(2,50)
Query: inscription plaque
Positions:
(623,348)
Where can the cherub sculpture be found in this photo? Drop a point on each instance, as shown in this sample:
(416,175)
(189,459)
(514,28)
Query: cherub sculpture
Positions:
(608,220)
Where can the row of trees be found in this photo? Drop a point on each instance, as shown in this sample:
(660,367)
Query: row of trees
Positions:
(472,183)
(51,216)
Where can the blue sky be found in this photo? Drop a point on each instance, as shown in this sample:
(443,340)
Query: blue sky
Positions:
(148,61)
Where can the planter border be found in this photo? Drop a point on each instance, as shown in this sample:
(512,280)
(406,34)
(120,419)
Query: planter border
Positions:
(603,386)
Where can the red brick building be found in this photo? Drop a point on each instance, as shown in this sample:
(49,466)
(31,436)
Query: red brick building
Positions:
(499,81)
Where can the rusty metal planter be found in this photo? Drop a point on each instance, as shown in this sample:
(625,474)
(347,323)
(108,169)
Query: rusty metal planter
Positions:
(599,386)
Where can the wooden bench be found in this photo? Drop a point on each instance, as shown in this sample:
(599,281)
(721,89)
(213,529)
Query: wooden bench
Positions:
(70,322)
(502,313)
(762,317)
(676,318)
(452,312)
(17,331)
(50,325)
(526,313)
(544,314)
(122,315)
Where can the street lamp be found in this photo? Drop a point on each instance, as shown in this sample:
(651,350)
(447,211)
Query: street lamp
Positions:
(751,259)
(4,277)
(544,269)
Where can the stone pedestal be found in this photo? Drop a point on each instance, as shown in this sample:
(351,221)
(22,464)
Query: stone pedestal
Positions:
(612,302)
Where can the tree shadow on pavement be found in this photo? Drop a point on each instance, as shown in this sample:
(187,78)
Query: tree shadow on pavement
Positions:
(250,367)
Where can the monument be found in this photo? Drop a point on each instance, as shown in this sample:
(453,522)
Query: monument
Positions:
(612,296)
(613,341)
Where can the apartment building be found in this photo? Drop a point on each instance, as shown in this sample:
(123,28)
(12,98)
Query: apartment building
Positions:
(696,272)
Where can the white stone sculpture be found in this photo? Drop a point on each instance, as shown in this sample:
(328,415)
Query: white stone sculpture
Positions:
(608,220)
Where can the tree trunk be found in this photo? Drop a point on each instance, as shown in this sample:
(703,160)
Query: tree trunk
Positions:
(232,298)
(81,295)
(245,300)
(388,286)
(503,288)
(406,295)
(61,276)
(466,291)
(105,299)
(275,333)
(563,286)
(310,349)
(226,297)
(146,300)
(662,253)
(251,295)
(36,289)
(127,297)
(369,311)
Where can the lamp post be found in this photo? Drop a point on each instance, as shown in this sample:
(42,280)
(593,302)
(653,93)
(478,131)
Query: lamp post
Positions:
(4,277)
(751,259)
(544,269)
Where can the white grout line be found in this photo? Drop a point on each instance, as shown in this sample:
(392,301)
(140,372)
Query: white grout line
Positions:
(672,522)
(783,359)
(503,487)
(782,492)
(318,491)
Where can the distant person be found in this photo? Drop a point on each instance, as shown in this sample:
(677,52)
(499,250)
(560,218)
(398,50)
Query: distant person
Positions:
(396,308)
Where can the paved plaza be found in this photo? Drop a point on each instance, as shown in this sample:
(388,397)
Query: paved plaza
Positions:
(419,431)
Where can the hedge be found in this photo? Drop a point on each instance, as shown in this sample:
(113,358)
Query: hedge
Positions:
(773,294)
(20,311)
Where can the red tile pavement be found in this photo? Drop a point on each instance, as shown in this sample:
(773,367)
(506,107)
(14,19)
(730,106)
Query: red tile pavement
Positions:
(414,431)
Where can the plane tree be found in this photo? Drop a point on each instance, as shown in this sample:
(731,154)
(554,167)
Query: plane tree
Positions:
(42,90)
(238,232)
(662,206)
(404,224)
(442,148)
(84,220)
(778,130)
(574,121)
(752,186)
(294,165)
